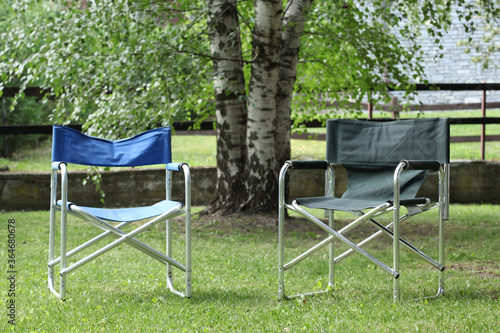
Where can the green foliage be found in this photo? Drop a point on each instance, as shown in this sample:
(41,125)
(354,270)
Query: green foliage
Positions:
(5,15)
(487,44)
(26,112)
(354,50)
(124,66)
(116,65)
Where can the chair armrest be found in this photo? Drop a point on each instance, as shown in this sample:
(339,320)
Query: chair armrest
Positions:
(308,165)
(56,165)
(175,166)
(421,165)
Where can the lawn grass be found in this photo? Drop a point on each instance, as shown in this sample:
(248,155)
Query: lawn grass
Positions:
(458,151)
(196,150)
(200,151)
(235,281)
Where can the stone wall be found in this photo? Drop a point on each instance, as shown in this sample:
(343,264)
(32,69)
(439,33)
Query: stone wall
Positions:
(471,182)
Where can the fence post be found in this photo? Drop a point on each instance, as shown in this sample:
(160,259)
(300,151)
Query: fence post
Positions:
(370,107)
(395,107)
(483,126)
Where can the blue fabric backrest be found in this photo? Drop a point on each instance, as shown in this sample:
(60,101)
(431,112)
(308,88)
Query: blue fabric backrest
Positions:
(151,147)
(356,142)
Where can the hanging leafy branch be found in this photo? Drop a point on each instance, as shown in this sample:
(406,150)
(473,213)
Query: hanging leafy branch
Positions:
(123,66)
(109,63)
(485,45)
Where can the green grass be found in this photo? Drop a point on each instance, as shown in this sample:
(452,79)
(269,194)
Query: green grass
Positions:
(200,151)
(235,282)
(197,150)
(458,151)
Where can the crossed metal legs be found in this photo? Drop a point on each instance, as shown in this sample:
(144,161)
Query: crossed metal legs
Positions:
(394,271)
(121,237)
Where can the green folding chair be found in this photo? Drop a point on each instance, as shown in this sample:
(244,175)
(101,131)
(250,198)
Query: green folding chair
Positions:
(386,164)
(149,148)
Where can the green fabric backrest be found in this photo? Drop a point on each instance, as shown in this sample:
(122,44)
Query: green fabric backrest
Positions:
(358,142)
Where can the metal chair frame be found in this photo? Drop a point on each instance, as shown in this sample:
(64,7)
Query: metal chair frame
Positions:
(59,170)
(392,229)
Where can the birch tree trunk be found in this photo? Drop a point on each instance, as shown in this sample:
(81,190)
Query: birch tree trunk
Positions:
(253,134)
(294,19)
(231,110)
(261,125)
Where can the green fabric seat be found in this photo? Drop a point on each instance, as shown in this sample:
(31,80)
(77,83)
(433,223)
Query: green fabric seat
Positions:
(369,187)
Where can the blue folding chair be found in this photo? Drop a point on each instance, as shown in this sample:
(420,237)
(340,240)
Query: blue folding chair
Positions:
(149,148)
(386,164)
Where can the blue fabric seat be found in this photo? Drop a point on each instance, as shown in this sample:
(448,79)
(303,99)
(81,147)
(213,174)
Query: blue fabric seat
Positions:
(128,214)
(152,147)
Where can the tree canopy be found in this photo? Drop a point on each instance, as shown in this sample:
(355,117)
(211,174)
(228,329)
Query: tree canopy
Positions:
(124,66)
(108,62)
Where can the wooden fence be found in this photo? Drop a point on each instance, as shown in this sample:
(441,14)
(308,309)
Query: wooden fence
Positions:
(206,128)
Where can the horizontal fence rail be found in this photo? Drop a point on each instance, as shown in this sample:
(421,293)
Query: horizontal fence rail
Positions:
(207,127)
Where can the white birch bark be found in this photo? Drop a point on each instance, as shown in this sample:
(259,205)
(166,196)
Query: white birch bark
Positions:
(261,125)
(231,112)
(294,20)
(251,146)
